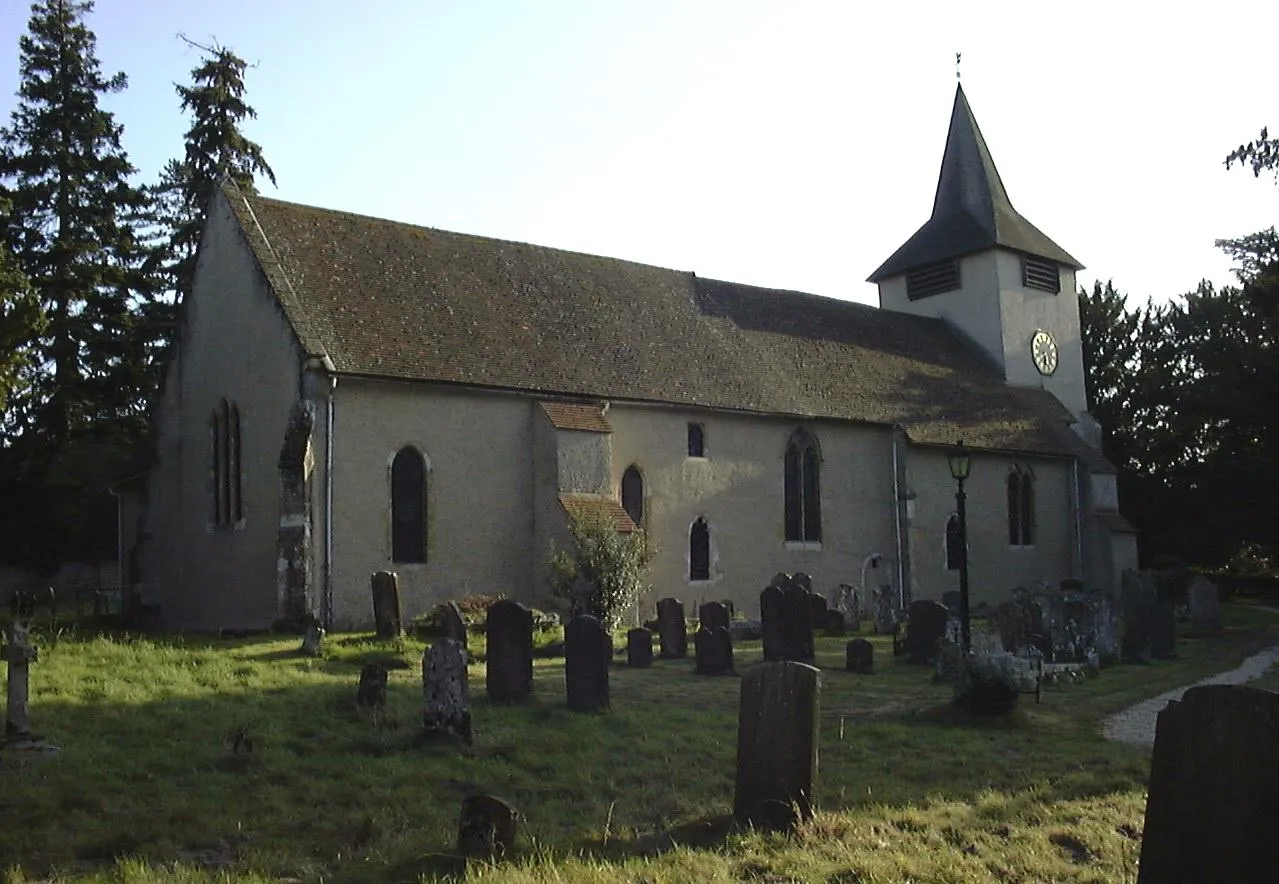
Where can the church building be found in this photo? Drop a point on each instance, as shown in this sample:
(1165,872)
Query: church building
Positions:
(350,395)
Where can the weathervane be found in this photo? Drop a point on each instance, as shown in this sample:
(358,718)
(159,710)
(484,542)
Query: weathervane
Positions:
(958,56)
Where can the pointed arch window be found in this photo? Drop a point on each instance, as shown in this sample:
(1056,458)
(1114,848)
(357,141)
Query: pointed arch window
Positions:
(954,543)
(803,498)
(1021,506)
(226,496)
(696,440)
(699,550)
(408,506)
(633,494)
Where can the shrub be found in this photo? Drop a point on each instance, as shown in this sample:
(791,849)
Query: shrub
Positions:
(988,684)
(607,571)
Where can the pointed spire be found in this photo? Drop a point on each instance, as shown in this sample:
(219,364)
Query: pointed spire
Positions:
(971,210)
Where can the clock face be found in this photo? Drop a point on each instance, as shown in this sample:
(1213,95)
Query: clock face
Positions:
(1043,349)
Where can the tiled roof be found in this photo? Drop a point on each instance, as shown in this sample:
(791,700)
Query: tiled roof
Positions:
(971,211)
(603,506)
(387,299)
(577,416)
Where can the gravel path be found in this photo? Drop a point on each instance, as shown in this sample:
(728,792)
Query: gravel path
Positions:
(1136,724)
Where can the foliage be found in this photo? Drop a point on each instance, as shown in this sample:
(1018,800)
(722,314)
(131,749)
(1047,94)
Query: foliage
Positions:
(1261,154)
(607,568)
(21,323)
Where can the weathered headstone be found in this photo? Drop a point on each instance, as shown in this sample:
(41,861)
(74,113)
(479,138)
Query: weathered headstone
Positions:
(885,612)
(671,631)
(450,624)
(787,621)
(777,732)
(19,654)
(713,615)
(859,656)
(851,605)
(1211,809)
(639,648)
(587,650)
(487,827)
(950,661)
(1138,589)
(1205,603)
(925,624)
(312,639)
(1163,631)
(803,581)
(446,699)
(386,603)
(770,615)
(371,691)
(834,624)
(1019,621)
(508,673)
(714,649)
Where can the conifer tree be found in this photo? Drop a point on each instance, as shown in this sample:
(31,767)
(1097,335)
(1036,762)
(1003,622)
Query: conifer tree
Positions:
(21,321)
(216,151)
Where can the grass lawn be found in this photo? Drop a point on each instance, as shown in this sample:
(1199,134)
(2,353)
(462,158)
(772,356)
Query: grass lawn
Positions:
(147,786)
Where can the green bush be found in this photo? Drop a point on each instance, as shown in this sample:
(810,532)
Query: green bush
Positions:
(607,571)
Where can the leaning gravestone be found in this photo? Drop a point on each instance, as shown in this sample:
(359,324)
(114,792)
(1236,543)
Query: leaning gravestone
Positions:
(671,631)
(1163,631)
(1205,603)
(19,654)
(370,693)
(386,603)
(713,615)
(777,730)
(1211,809)
(859,656)
(639,648)
(509,669)
(487,827)
(925,624)
(446,702)
(587,650)
(714,649)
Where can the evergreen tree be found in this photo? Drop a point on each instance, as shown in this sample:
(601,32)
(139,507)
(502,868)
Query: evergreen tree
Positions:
(216,151)
(21,322)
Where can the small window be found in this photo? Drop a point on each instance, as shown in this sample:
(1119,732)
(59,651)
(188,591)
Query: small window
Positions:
(1021,507)
(226,496)
(1038,273)
(408,507)
(633,494)
(803,499)
(954,543)
(932,279)
(699,550)
(696,441)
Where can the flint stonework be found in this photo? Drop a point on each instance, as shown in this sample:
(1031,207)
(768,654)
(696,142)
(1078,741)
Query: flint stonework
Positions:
(508,673)
(777,731)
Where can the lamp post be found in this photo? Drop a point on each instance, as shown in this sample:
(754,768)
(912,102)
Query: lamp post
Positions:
(960,462)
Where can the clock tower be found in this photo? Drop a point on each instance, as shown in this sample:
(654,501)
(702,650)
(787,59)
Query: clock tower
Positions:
(981,267)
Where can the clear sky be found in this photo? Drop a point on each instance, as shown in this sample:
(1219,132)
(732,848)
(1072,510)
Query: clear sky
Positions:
(791,144)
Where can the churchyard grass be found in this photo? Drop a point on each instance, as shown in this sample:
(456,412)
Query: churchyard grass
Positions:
(192,759)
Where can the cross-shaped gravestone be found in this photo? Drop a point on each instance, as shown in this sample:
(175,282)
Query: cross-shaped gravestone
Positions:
(19,654)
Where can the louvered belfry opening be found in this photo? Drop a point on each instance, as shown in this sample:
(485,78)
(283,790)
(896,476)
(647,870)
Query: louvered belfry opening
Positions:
(1042,274)
(932,279)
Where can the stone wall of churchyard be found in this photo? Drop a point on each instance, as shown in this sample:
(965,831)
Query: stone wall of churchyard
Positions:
(478,447)
(738,488)
(234,343)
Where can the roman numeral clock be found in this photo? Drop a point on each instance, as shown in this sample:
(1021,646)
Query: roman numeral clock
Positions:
(1043,350)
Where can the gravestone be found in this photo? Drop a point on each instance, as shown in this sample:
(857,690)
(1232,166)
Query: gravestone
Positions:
(817,609)
(1211,810)
(639,648)
(786,613)
(777,733)
(859,656)
(446,700)
(714,650)
(1163,631)
(925,624)
(449,622)
(487,827)
(1205,603)
(1107,629)
(312,639)
(851,605)
(1138,590)
(587,650)
(386,603)
(713,615)
(1020,622)
(951,600)
(671,631)
(371,691)
(508,673)
(803,581)
(19,654)
(834,624)
(950,661)
(885,612)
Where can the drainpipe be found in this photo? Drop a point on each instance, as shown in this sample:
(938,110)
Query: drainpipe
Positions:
(326,612)
(1076,492)
(897,525)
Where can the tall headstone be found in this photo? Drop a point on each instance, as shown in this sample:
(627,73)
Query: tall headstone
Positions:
(770,614)
(587,651)
(786,620)
(926,624)
(671,631)
(859,656)
(19,654)
(450,624)
(777,734)
(509,670)
(370,693)
(639,648)
(712,616)
(1211,810)
(1205,603)
(386,603)
(1139,611)
(446,701)
(487,827)
(714,650)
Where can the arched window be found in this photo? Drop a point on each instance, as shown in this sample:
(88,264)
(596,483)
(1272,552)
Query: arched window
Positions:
(408,506)
(226,495)
(696,441)
(803,504)
(633,494)
(699,550)
(954,543)
(1021,507)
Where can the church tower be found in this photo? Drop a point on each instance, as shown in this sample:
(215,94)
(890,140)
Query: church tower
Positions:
(990,273)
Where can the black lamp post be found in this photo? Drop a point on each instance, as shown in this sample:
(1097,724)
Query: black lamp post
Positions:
(960,462)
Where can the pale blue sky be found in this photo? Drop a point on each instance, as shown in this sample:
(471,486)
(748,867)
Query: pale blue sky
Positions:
(782,144)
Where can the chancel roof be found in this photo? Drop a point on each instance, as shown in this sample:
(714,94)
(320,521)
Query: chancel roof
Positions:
(971,210)
(387,299)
